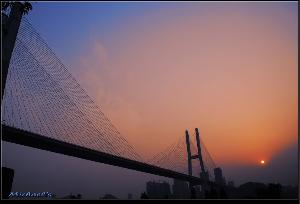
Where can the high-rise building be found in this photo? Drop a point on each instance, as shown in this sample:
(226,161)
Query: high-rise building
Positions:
(219,179)
(181,189)
(158,189)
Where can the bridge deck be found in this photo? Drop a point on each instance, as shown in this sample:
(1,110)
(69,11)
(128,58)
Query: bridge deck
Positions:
(22,137)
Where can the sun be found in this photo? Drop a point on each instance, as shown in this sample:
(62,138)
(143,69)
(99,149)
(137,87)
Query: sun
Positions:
(262,162)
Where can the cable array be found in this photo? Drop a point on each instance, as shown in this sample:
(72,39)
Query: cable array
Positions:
(175,157)
(42,97)
(209,164)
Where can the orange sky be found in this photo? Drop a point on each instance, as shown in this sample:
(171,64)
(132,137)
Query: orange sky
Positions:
(231,71)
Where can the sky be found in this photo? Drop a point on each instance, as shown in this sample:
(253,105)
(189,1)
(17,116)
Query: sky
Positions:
(157,69)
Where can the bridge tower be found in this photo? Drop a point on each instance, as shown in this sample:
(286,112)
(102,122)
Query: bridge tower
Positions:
(203,174)
(10,28)
(189,154)
(9,31)
(188,147)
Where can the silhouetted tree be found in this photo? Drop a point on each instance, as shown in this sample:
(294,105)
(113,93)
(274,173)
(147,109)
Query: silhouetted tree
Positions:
(5,5)
(9,31)
(26,6)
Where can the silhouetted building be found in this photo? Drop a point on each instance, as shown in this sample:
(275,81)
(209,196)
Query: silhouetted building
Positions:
(158,190)
(254,190)
(181,189)
(129,197)
(204,175)
(230,184)
(7,180)
(273,191)
(232,191)
(251,190)
(8,177)
(71,196)
(260,190)
(219,179)
(109,196)
(199,193)
(212,193)
(144,196)
(289,192)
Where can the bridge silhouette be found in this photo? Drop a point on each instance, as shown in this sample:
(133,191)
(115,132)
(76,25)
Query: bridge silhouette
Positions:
(44,107)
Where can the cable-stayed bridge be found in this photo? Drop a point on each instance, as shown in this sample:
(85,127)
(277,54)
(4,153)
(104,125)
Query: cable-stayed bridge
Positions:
(44,107)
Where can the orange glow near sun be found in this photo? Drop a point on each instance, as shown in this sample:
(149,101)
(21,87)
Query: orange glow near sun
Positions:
(241,85)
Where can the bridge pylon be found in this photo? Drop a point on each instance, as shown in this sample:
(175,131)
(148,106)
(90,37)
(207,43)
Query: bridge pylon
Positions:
(9,31)
(203,174)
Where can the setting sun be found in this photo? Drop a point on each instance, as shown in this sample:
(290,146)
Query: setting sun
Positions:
(262,162)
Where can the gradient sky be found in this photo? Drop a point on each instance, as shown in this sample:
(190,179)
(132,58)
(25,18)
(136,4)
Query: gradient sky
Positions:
(157,69)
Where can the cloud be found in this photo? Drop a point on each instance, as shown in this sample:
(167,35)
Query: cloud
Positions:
(98,77)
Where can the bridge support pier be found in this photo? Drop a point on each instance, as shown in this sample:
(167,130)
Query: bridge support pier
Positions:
(7,181)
